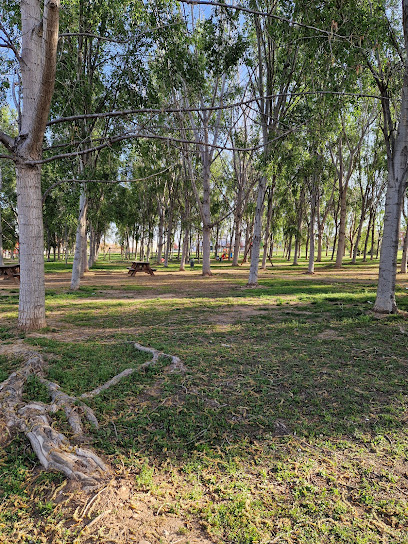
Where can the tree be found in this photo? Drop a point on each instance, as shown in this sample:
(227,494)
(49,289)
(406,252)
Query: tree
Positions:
(37,62)
(396,141)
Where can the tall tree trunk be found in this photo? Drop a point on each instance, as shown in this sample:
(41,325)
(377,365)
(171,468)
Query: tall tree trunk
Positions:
(341,242)
(257,236)
(84,246)
(237,228)
(217,235)
(39,31)
(1,230)
(359,231)
(320,243)
(184,253)
(367,236)
(298,235)
(79,242)
(289,247)
(92,246)
(31,313)
(232,234)
(169,236)
(206,251)
(267,229)
(385,301)
(404,252)
(206,218)
(149,243)
(248,241)
(160,235)
(373,239)
(396,184)
(310,269)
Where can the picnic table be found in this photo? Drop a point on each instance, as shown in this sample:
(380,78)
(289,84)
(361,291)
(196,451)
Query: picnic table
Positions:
(10,271)
(141,266)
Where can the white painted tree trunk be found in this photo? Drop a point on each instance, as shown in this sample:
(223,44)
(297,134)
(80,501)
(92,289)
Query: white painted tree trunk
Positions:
(257,236)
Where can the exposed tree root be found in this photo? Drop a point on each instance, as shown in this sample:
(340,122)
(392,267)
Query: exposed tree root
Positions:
(52,448)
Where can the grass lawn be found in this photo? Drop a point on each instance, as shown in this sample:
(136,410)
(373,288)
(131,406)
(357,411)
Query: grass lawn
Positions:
(289,425)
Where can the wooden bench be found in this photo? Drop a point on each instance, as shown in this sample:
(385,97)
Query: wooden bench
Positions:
(10,271)
(141,266)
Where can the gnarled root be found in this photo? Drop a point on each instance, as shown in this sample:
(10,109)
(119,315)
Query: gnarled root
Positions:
(52,448)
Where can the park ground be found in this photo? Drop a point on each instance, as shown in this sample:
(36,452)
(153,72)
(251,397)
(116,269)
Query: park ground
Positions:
(288,425)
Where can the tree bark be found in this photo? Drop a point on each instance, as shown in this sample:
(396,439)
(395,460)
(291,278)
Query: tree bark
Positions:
(169,236)
(80,237)
(385,301)
(184,252)
(367,236)
(397,176)
(267,229)
(31,314)
(341,241)
(1,230)
(310,269)
(39,31)
(404,252)
(160,235)
(359,231)
(257,236)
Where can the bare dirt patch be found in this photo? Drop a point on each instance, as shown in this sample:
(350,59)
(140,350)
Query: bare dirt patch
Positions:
(329,334)
(231,316)
(18,348)
(124,512)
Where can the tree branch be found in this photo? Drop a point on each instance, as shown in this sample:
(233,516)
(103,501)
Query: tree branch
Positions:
(45,92)
(270,15)
(8,43)
(7,141)
(123,113)
(47,192)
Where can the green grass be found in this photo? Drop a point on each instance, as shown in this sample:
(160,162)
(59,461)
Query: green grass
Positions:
(288,426)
